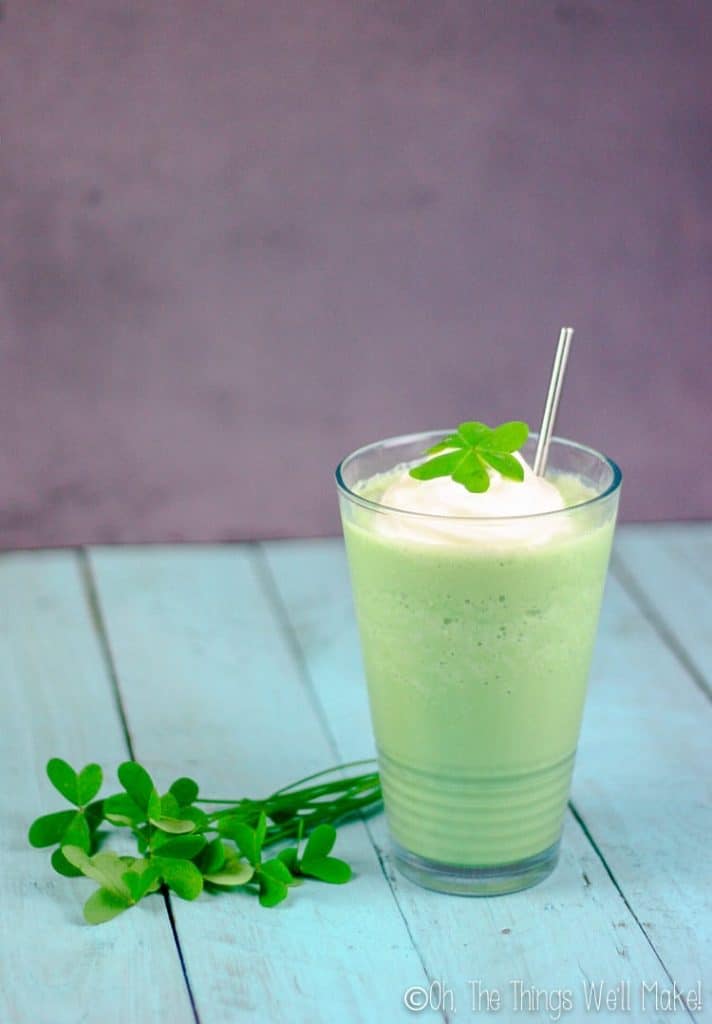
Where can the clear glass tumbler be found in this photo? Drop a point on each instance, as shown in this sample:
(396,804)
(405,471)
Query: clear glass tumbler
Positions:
(477,637)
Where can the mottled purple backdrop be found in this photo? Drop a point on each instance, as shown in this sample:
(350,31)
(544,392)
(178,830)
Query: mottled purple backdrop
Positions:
(240,238)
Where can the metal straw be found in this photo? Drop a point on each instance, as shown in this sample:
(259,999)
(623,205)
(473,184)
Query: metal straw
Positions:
(552,400)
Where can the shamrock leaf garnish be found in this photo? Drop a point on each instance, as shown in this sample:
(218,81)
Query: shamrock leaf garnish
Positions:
(469,451)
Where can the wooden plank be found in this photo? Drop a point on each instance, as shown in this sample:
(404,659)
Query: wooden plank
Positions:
(668,570)
(211,688)
(573,928)
(644,788)
(56,700)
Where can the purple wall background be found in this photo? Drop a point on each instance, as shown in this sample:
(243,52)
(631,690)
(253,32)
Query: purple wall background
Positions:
(239,239)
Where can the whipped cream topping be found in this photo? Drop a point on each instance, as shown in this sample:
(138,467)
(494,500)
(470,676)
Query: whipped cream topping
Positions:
(459,509)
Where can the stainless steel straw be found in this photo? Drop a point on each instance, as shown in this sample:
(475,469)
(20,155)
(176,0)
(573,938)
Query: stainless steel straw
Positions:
(552,400)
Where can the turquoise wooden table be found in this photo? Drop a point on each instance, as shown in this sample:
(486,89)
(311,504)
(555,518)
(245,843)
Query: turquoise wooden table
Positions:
(239,665)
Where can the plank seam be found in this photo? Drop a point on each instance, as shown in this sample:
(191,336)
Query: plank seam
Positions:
(391,885)
(97,617)
(269,585)
(91,594)
(606,867)
(632,587)
(266,576)
(183,966)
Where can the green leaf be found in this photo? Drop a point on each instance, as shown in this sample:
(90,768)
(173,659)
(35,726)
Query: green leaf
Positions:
(316,861)
(107,868)
(320,843)
(49,828)
(451,441)
(137,783)
(507,465)
(234,871)
(77,833)
(272,891)
(213,857)
(474,434)
(89,783)
(508,437)
(244,836)
(139,883)
(471,473)
(339,872)
(326,869)
(475,483)
(174,826)
(121,809)
(102,905)
(154,808)
(62,866)
(186,847)
(226,824)
(185,790)
(142,835)
(277,870)
(170,806)
(194,814)
(182,876)
(290,857)
(64,779)
(135,885)
(94,813)
(171,809)
(441,465)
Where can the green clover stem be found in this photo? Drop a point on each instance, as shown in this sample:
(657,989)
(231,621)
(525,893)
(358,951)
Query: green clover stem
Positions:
(182,847)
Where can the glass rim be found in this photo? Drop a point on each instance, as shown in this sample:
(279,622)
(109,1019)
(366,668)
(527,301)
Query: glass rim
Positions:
(377,506)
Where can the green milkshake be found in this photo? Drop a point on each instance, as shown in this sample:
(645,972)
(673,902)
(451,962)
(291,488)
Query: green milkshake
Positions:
(477,616)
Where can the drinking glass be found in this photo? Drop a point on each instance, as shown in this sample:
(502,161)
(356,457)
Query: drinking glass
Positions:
(476,636)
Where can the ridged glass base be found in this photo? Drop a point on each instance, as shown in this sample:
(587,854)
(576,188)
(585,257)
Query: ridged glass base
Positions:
(493,880)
